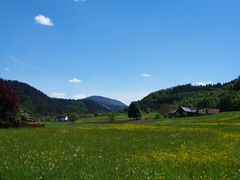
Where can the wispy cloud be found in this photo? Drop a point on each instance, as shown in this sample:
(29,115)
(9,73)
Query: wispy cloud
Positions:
(21,63)
(145,75)
(75,80)
(7,69)
(12,58)
(58,95)
(200,83)
(43,20)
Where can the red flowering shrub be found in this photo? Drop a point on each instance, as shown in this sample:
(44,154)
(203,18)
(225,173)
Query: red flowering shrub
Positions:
(9,106)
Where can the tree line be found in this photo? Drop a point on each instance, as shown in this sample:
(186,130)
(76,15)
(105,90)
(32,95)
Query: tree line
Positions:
(226,97)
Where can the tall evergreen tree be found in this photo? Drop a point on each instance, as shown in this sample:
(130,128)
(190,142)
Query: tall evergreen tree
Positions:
(134,111)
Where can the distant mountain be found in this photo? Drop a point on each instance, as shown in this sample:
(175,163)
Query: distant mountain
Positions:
(35,102)
(111,104)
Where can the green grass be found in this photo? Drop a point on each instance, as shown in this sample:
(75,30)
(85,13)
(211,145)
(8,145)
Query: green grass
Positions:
(105,118)
(117,117)
(191,148)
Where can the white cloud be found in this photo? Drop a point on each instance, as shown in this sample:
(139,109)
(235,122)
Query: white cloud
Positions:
(203,83)
(79,96)
(7,69)
(75,80)
(145,75)
(58,95)
(43,20)
(61,95)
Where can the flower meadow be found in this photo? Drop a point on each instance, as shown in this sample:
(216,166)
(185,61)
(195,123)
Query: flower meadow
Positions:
(205,148)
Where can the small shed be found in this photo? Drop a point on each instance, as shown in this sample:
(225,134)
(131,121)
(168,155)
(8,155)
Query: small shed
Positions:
(207,111)
(213,111)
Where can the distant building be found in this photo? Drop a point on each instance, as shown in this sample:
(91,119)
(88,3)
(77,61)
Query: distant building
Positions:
(185,111)
(62,118)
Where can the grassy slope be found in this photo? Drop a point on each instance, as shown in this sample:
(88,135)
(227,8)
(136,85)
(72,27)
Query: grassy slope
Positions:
(192,148)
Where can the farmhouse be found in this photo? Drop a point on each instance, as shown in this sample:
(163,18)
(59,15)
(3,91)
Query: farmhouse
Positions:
(62,118)
(185,111)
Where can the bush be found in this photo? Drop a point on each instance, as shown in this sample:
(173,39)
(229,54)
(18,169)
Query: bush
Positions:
(73,117)
(49,119)
(112,117)
(158,116)
(9,106)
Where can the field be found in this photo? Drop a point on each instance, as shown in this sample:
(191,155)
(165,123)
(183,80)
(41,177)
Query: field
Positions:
(191,148)
(116,117)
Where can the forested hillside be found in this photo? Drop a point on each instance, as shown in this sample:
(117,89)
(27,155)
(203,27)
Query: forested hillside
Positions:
(224,96)
(35,102)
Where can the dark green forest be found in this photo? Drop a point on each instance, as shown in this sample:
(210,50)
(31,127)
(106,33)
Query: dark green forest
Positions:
(225,96)
(37,103)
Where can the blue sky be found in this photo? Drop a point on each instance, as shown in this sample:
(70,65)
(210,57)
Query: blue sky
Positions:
(120,49)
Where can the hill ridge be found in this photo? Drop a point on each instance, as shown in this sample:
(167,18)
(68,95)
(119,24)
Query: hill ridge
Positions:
(111,104)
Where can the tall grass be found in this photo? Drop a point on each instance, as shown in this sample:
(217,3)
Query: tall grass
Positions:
(195,148)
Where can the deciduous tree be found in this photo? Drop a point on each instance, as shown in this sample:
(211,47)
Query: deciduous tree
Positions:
(73,117)
(9,106)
